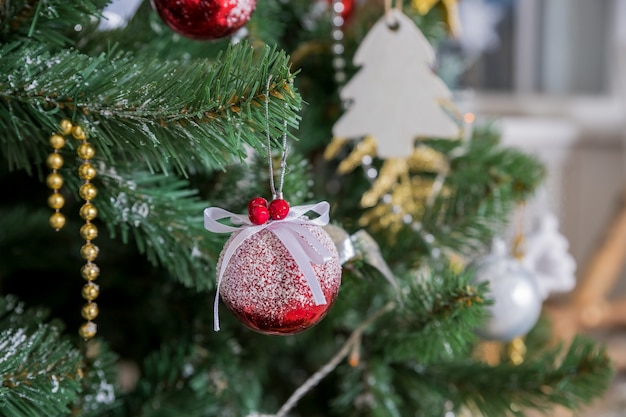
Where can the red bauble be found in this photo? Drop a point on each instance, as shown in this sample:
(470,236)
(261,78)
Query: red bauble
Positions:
(345,9)
(264,288)
(204,19)
(279,209)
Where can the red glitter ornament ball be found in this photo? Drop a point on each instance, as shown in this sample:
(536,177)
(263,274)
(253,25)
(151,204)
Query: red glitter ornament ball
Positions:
(265,289)
(204,19)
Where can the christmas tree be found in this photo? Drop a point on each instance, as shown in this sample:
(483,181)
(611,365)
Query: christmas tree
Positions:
(116,139)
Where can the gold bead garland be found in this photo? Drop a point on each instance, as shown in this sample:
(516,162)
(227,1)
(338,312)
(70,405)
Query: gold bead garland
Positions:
(88,231)
(88,212)
(54,181)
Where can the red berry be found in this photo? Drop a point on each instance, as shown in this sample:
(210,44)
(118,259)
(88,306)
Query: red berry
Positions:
(279,209)
(256,201)
(259,215)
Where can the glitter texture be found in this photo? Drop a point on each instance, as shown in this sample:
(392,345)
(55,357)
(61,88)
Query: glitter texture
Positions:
(204,19)
(265,289)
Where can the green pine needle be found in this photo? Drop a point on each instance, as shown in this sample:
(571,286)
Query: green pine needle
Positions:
(160,114)
(39,370)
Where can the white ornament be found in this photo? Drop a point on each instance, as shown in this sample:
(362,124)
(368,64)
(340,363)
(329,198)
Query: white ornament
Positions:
(395,97)
(546,254)
(479,19)
(514,291)
(117,13)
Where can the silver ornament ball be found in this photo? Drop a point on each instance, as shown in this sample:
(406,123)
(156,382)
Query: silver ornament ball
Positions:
(516,296)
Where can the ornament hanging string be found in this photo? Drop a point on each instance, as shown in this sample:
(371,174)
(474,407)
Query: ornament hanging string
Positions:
(283,160)
(388,5)
(394,24)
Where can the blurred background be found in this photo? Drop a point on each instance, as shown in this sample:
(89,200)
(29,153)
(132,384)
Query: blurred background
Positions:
(551,74)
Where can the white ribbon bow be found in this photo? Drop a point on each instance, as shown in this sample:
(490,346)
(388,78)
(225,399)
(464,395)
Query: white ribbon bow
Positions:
(299,241)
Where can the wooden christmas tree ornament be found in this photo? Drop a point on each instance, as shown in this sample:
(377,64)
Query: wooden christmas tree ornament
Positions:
(395,96)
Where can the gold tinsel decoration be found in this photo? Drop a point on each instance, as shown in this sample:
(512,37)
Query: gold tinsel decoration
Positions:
(409,199)
(366,147)
(391,172)
(450,10)
(402,188)
(423,6)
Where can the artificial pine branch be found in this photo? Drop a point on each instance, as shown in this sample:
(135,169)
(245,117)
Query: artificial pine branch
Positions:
(485,183)
(436,320)
(158,113)
(162,215)
(187,379)
(99,380)
(50,21)
(39,374)
(42,372)
(351,344)
(570,377)
(39,370)
(167,117)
